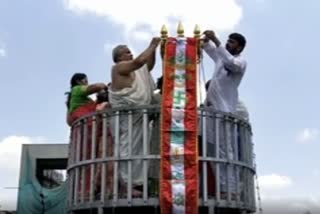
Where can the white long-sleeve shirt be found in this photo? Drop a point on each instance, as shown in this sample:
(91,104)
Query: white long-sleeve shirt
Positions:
(229,70)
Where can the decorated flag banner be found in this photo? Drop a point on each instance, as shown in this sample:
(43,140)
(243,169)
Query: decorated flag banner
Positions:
(179,156)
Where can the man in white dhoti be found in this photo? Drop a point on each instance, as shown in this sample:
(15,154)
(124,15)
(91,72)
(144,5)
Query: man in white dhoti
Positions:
(223,96)
(132,85)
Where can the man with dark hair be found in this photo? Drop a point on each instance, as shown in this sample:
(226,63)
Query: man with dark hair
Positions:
(229,70)
(222,96)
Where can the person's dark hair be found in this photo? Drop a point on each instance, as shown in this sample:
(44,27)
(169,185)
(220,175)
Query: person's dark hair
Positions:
(160,83)
(207,85)
(74,82)
(239,38)
(103,96)
(115,52)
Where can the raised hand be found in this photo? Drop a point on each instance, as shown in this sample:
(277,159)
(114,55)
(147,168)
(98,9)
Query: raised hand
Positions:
(155,41)
(210,34)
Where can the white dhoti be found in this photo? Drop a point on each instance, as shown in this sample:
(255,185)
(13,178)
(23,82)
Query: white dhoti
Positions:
(140,93)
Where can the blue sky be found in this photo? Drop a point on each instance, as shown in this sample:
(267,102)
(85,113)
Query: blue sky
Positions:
(43,42)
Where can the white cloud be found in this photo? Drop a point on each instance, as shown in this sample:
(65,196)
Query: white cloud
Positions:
(215,14)
(308,135)
(109,46)
(141,35)
(279,195)
(316,172)
(3,52)
(10,152)
(274,182)
(290,206)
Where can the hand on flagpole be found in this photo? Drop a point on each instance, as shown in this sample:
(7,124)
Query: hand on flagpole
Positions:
(155,42)
(210,35)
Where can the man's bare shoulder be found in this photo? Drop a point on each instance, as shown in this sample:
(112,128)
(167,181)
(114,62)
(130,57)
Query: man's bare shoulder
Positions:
(116,69)
(120,67)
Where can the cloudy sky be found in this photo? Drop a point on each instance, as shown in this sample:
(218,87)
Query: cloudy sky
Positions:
(43,42)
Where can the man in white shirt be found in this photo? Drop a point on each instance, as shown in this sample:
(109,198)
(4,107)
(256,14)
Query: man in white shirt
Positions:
(223,96)
(229,70)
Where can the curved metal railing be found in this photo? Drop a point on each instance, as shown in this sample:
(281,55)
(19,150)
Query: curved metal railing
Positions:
(102,167)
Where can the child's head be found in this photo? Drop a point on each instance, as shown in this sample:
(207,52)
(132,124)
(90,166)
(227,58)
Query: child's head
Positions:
(103,96)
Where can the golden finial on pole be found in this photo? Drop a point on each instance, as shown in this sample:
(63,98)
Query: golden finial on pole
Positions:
(197,34)
(180,30)
(164,37)
(164,32)
(197,31)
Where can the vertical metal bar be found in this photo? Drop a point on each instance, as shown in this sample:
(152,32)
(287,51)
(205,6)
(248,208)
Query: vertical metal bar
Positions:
(245,160)
(78,145)
(145,153)
(71,187)
(211,209)
(204,155)
(100,210)
(253,190)
(130,140)
(235,139)
(247,144)
(71,161)
(73,145)
(244,143)
(249,188)
(251,148)
(250,145)
(84,157)
(116,155)
(104,155)
(236,171)
(253,155)
(246,187)
(217,129)
(244,184)
(236,157)
(228,149)
(93,156)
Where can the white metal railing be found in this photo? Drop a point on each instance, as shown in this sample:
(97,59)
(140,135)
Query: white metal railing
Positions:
(115,162)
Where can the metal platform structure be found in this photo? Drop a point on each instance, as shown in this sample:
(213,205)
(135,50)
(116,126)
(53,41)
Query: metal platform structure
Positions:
(96,184)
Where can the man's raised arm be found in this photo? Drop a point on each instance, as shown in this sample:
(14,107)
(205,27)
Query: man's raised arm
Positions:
(151,60)
(210,49)
(126,67)
(232,63)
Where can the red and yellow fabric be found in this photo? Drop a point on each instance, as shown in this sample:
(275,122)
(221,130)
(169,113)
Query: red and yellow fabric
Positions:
(179,158)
